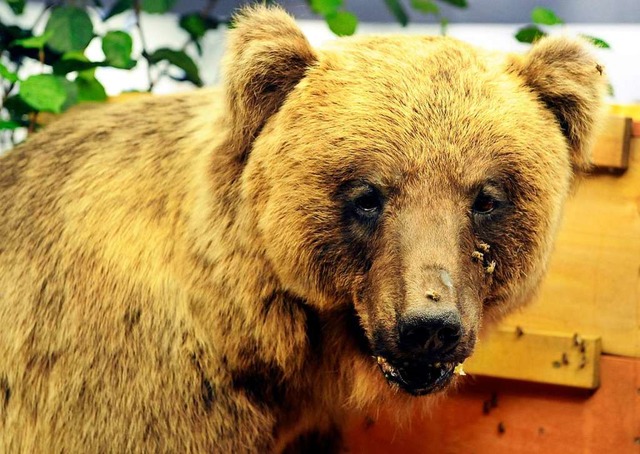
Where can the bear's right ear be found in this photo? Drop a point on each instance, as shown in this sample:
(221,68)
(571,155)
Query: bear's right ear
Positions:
(266,58)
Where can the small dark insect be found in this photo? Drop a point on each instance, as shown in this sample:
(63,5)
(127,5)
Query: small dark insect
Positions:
(369,422)
(501,428)
(556,364)
(565,359)
(582,347)
(599,69)
(519,331)
(486,407)
(583,362)
(494,400)
(577,340)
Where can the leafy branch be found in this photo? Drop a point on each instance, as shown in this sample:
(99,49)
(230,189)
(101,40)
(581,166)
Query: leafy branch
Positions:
(344,23)
(67,76)
(543,18)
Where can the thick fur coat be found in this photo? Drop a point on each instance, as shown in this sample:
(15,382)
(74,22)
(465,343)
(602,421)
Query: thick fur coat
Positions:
(217,271)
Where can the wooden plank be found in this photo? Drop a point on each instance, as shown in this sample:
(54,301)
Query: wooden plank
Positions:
(560,359)
(593,283)
(534,417)
(611,150)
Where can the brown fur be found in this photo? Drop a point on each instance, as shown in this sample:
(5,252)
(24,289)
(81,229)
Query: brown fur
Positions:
(179,274)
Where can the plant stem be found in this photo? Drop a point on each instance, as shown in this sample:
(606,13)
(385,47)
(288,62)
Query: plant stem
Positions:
(46,8)
(145,53)
(33,121)
(205,12)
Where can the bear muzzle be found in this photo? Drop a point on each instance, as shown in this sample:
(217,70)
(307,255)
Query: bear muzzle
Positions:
(427,347)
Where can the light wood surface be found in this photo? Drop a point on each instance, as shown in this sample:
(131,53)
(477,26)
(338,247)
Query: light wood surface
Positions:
(593,284)
(611,150)
(555,358)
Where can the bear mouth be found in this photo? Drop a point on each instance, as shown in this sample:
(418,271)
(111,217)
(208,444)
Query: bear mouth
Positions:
(418,378)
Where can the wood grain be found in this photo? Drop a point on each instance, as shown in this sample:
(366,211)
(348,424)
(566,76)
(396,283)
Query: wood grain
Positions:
(593,283)
(554,358)
(611,150)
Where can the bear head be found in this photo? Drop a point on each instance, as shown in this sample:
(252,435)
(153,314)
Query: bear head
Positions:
(418,180)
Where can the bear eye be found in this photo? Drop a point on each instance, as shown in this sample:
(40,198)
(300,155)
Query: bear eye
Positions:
(490,198)
(368,203)
(484,204)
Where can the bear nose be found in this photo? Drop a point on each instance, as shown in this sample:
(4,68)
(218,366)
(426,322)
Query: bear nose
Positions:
(432,334)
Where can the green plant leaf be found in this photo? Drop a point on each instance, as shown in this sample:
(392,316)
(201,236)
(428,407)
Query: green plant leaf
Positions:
(456,3)
(72,94)
(197,25)
(117,47)
(325,7)
(70,65)
(342,23)
(181,60)
(76,61)
(198,47)
(529,34)
(157,6)
(17,108)
(8,75)
(545,16)
(72,29)
(119,7)
(90,90)
(34,42)
(398,11)
(9,124)
(44,92)
(425,6)
(598,42)
(11,33)
(17,6)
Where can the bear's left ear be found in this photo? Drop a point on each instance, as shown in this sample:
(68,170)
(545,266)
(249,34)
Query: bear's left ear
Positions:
(266,58)
(569,81)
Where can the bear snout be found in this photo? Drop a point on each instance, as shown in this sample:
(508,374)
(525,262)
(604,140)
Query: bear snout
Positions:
(421,353)
(429,333)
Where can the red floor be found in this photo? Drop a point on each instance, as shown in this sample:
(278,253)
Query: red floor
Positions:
(525,418)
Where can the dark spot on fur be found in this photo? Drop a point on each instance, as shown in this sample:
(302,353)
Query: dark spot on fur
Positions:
(132,318)
(354,328)
(261,382)
(316,442)
(43,362)
(270,88)
(368,422)
(313,329)
(43,290)
(268,302)
(158,207)
(206,390)
(5,391)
